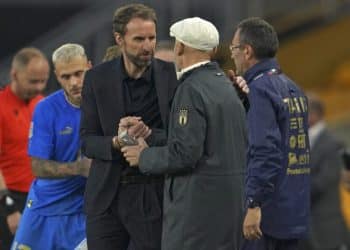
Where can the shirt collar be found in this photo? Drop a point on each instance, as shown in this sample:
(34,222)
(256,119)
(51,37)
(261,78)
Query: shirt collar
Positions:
(261,67)
(67,102)
(189,68)
(315,131)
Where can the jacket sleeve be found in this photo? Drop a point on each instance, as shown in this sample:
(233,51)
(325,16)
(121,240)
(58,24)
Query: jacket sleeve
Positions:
(264,151)
(93,143)
(157,138)
(187,131)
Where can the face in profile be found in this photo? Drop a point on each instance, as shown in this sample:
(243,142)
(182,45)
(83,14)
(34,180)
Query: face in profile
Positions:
(237,54)
(31,80)
(71,77)
(139,41)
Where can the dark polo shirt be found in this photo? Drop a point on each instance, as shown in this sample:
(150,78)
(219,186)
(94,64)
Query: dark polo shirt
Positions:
(140,99)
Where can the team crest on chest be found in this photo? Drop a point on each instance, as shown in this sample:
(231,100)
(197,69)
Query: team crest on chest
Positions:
(183,117)
(66,131)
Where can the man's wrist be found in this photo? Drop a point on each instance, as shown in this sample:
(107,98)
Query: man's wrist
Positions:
(252,203)
(7,205)
(116,143)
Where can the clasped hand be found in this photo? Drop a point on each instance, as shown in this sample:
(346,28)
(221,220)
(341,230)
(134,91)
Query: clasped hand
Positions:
(139,131)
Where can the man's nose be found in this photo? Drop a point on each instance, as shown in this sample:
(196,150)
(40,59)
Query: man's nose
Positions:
(148,44)
(40,86)
(74,81)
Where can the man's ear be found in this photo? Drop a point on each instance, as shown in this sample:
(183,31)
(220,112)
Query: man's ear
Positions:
(180,48)
(248,52)
(13,74)
(89,64)
(118,38)
(213,52)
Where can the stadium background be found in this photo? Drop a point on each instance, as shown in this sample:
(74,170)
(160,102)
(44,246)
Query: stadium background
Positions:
(314,35)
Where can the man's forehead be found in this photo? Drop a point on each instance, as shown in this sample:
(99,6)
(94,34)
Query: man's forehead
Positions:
(73,61)
(140,25)
(35,63)
(69,68)
(236,35)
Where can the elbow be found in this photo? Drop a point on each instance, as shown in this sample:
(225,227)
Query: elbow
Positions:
(184,160)
(84,147)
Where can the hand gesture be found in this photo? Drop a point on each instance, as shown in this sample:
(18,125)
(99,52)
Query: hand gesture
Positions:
(238,82)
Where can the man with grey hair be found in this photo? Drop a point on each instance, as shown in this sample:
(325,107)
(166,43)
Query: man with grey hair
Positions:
(53,217)
(204,159)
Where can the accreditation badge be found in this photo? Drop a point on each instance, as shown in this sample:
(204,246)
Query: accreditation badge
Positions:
(183,114)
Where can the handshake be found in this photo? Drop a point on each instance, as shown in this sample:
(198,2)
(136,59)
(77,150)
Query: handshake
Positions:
(130,140)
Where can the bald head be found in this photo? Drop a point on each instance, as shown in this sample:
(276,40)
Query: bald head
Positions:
(29,73)
(24,56)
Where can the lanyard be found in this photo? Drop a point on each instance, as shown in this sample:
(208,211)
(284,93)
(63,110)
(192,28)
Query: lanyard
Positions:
(270,72)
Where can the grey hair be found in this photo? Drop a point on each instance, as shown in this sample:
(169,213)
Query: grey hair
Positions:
(66,52)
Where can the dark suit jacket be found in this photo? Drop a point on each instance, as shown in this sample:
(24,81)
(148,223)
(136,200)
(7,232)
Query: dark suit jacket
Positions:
(102,108)
(327,225)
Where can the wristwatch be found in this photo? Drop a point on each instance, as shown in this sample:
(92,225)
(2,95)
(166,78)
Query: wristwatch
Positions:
(251,203)
(7,205)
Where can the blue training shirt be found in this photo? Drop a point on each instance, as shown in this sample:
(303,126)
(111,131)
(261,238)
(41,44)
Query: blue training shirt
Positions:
(55,136)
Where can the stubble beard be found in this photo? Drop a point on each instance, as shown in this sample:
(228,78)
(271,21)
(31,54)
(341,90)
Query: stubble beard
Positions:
(137,61)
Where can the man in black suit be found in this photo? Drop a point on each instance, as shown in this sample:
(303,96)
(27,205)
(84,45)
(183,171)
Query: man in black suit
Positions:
(327,227)
(135,91)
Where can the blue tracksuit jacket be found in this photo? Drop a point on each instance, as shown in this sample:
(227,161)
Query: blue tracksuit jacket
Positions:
(278,173)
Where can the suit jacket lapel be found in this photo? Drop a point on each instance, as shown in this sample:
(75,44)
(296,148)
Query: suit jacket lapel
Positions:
(114,92)
(161,85)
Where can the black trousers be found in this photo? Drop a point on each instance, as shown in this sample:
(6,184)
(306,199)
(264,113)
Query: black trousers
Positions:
(269,243)
(6,237)
(134,217)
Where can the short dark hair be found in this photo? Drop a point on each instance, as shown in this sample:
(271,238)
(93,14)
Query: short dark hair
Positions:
(124,14)
(260,35)
(23,57)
